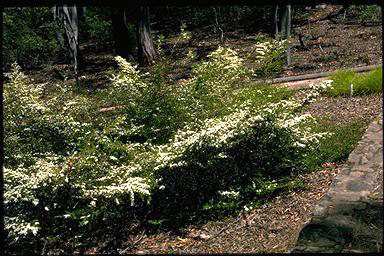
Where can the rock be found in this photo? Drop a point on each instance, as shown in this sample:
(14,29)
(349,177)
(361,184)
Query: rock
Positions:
(343,221)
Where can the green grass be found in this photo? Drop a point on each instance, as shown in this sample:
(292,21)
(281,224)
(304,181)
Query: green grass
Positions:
(363,83)
(337,147)
(365,12)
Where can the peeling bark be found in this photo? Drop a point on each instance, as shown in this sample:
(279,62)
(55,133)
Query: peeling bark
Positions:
(146,49)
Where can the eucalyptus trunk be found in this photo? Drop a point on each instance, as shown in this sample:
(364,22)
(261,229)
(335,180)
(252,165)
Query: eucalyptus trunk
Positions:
(67,16)
(146,49)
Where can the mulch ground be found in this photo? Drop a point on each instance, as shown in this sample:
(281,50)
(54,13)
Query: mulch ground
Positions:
(274,227)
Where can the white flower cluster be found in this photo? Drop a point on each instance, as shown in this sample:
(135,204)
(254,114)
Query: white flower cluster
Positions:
(215,134)
(21,99)
(233,194)
(127,81)
(263,50)
(217,74)
(322,87)
(20,182)
(226,55)
(17,226)
(131,185)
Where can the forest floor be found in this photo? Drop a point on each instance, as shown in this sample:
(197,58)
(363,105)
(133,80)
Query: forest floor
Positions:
(275,226)
(328,45)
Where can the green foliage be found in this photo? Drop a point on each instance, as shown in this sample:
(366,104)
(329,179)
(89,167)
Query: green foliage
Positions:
(270,56)
(152,107)
(248,18)
(261,94)
(202,16)
(232,151)
(166,150)
(251,196)
(86,166)
(217,75)
(362,84)
(30,37)
(213,81)
(98,23)
(21,112)
(159,40)
(127,85)
(339,145)
(365,12)
(161,109)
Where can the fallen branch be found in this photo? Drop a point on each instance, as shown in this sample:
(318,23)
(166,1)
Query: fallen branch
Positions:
(315,75)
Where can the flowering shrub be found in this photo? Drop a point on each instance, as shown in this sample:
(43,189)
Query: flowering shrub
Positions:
(127,85)
(270,57)
(37,175)
(102,165)
(216,76)
(220,153)
(210,88)
(22,109)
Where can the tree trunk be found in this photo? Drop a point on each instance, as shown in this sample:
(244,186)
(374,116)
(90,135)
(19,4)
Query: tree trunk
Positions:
(284,22)
(283,18)
(276,19)
(288,30)
(59,35)
(68,18)
(122,36)
(146,50)
(80,20)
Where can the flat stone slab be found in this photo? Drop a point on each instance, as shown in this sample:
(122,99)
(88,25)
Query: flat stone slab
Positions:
(349,218)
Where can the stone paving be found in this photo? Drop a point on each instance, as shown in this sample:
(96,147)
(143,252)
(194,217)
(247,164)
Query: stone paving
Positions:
(350,216)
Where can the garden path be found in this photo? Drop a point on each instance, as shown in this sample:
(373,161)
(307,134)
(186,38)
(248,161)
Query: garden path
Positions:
(349,218)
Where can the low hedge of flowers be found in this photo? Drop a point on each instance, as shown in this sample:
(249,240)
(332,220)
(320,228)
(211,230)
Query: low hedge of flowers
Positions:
(59,166)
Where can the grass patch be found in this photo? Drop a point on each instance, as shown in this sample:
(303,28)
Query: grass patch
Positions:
(338,146)
(363,83)
(251,197)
